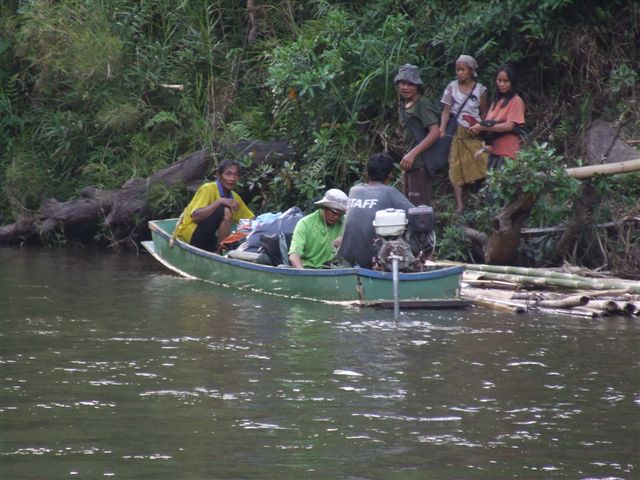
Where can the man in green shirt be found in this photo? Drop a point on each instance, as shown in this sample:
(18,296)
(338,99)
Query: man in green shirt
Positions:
(315,236)
(419,121)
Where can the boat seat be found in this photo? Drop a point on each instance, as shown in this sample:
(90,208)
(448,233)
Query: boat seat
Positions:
(253,257)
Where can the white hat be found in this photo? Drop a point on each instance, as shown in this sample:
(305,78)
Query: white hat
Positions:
(334,199)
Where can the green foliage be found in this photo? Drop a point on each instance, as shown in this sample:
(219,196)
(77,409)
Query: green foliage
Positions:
(327,82)
(452,244)
(162,118)
(10,122)
(167,201)
(536,170)
(623,79)
(83,96)
(337,69)
(68,43)
(27,181)
(119,118)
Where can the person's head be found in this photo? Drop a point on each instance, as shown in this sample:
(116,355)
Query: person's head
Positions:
(466,67)
(506,83)
(379,167)
(334,205)
(228,173)
(408,81)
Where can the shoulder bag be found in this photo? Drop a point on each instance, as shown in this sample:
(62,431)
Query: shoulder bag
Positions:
(436,157)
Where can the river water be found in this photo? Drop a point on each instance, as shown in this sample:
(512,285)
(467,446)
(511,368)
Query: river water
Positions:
(112,366)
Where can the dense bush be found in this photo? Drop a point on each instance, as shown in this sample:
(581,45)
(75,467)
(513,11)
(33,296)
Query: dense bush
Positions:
(84,96)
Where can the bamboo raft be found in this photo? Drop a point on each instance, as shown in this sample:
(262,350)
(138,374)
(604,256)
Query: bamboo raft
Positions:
(522,290)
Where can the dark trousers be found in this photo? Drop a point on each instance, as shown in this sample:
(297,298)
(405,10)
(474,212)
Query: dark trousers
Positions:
(204,236)
(418,186)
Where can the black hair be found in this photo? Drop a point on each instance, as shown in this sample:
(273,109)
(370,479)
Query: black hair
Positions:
(513,78)
(379,167)
(226,164)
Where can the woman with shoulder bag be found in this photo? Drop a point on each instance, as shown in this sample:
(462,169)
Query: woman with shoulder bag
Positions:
(465,102)
(419,122)
(505,115)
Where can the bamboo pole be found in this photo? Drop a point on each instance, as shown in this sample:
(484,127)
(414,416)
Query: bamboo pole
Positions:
(502,305)
(531,272)
(172,86)
(576,312)
(567,302)
(537,272)
(594,313)
(604,169)
(491,284)
(531,297)
(495,306)
(584,284)
(605,305)
(606,293)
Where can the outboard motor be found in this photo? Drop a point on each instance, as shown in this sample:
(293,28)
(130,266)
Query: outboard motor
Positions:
(411,246)
(422,231)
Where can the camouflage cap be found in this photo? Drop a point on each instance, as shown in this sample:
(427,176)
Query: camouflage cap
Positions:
(408,73)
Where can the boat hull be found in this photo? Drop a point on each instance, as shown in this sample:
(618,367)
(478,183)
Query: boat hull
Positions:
(343,284)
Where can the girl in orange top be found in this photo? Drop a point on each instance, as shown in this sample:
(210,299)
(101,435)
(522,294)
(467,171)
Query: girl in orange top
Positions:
(507,110)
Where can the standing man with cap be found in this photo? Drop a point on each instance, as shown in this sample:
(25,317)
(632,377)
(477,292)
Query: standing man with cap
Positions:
(419,120)
(316,235)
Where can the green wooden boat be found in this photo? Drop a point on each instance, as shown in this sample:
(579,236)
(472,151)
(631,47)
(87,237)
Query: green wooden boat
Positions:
(357,285)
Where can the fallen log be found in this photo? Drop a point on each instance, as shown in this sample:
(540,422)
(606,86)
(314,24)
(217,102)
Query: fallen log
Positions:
(124,212)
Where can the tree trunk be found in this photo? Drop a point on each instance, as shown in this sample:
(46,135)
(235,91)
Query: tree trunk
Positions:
(502,246)
(575,226)
(125,212)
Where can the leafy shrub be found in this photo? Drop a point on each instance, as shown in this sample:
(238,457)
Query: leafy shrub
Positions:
(539,171)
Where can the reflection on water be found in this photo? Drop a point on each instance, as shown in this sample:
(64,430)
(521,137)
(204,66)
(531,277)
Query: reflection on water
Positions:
(111,367)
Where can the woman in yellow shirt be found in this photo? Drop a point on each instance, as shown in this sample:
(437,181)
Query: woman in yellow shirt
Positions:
(214,208)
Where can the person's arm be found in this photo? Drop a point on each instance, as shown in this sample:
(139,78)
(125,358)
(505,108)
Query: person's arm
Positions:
(484,105)
(202,213)
(295,260)
(444,119)
(503,127)
(407,161)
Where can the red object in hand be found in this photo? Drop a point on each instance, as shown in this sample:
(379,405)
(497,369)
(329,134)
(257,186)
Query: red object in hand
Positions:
(471,120)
